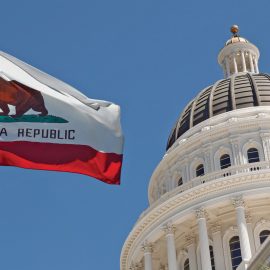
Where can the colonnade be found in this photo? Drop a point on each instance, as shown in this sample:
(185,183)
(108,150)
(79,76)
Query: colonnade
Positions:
(237,62)
(190,245)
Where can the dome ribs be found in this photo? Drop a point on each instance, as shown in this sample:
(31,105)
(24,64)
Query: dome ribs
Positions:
(201,111)
(236,92)
(192,111)
(256,95)
(263,83)
(221,100)
(244,92)
(211,97)
(232,93)
(184,120)
(172,138)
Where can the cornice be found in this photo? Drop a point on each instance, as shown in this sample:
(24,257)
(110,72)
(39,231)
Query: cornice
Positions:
(212,189)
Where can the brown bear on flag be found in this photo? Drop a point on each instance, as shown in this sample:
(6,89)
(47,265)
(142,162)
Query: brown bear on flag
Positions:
(22,97)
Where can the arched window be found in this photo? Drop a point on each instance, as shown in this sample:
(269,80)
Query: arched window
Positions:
(263,235)
(235,250)
(253,155)
(186,264)
(180,181)
(225,161)
(212,257)
(200,170)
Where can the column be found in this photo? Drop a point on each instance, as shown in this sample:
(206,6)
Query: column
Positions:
(207,157)
(227,63)
(251,62)
(256,65)
(191,247)
(266,145)
(239,205)
(203,236)
(218,247)
(147,249)
(237,153)
(250,233)
(243,61)
(235,64)
(169,231)
(186,166)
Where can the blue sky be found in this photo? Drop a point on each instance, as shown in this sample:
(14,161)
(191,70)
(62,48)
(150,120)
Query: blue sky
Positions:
(151,58)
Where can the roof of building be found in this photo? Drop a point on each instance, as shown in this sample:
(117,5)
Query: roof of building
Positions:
(239,91)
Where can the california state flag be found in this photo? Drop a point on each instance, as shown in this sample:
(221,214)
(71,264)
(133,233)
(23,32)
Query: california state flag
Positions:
(48,125)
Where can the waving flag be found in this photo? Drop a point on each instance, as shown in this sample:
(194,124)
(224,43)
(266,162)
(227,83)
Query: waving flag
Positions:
(46,124)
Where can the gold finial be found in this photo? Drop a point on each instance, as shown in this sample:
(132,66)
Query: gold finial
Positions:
(234,30)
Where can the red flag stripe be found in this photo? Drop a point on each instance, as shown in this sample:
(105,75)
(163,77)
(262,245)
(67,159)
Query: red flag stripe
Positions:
(62,157)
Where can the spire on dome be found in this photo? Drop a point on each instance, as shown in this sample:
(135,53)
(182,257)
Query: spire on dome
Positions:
(238,55)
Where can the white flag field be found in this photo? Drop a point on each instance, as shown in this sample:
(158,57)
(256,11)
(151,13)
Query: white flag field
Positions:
(46,124)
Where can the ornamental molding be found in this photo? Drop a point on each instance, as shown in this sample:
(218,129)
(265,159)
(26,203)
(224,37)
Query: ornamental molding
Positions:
(194,196)
(200,213)
(238,202)
(135,266)
(169,228)
(147,247)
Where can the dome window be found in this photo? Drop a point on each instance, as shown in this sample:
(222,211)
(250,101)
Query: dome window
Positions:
(200,170)
(263,235)
(235,250)
(186,264)
(180,181)
(225,161)
(253,155)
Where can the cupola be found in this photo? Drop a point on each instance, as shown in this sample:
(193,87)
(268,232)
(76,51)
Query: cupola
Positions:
(238,55)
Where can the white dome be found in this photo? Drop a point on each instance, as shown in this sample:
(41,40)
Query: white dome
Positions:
(209,195)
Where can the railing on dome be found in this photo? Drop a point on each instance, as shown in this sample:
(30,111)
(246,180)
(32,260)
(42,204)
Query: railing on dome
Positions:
(250,167)
(233,170)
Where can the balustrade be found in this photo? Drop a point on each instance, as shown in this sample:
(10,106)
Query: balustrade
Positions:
(228,172)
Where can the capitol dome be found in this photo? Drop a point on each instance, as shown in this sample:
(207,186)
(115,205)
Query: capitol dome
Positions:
(243,87)
(236,92)
(209,203)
